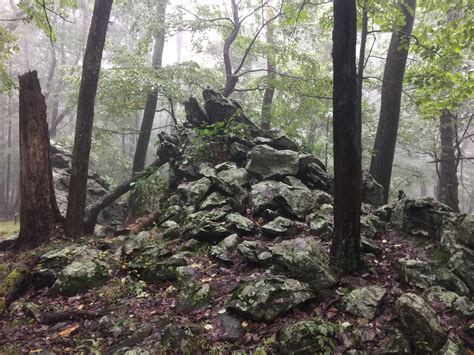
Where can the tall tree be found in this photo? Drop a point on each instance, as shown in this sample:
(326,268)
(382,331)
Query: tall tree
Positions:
(345,247)
(448,162)
(387,130)
(38,208)
(150,105)
(85,117)
(269,91)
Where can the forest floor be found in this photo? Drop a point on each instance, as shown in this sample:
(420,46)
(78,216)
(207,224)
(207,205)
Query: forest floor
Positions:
(126,312)
(7,228)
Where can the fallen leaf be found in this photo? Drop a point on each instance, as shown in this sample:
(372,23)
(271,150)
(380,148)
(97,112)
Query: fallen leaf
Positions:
(69,330)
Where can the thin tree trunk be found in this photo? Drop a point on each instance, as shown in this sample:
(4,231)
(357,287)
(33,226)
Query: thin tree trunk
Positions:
(9,159)
(139,159)
(345,247)
(85,118)
(448,180)
(94,210)
(360,67)
(230,78)
(36,179)
(269,91)
(387,130)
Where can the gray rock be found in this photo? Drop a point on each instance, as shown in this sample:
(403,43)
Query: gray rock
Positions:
(193,294)
(194,191)
(419,217)
(313,173)
(310,336)
(462,264)
(206,170)
(214,200)
(397,343)
(156,264)
(255,251)
(229,327)
(225,248)
(80,276)
(320,225)
(305,261)
(283,142)
(227,165)
(235,176)
(420,324)
(290,201)
(280,226)
(424,274)
(369,246)
(372,190)
(266,297)
(239,152)
(466,231)
(8,241)
(133,243)
(239,222)
(364,301)
(206,226)
(267,162)
(436,294)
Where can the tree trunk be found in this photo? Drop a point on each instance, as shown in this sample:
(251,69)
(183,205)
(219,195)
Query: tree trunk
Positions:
(387,131)
(448,180)
(94,210)
(360,66)
(37,197)
(345,247)
(9,159)
(85,118)
(139,159)
(271,67)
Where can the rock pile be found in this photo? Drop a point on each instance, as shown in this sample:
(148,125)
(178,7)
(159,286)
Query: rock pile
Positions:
(243,195)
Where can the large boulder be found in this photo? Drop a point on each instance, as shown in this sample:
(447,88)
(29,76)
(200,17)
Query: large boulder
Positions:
(80,276)
(466,231)
(462,264)
(267,162)
(364,301)
(310,336)
(313,173)
(305,261)
(266,297)
(288,200)
(419,217)
(238,176)
(420,324)
(424,274)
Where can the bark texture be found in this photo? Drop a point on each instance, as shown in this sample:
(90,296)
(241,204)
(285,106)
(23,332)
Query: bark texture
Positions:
(345,247)
(448,180)
(269,91)
(387,130)
(85,118)
(38,208)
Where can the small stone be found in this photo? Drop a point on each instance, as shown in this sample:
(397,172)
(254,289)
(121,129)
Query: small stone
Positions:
(229,327)
(255,251)
(239,222)
(225,248)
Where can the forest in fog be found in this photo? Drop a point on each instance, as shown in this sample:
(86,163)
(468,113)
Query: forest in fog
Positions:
(236,177)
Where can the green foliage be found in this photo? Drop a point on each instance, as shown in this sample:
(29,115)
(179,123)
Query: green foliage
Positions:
(7,47)
(209,140)
(149,188)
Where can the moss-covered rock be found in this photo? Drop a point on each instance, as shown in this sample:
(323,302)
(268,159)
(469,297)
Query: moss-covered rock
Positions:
(193,294)
(193,192)
(462,264)
(255,251)
(424,274)
(311,336)
(466,231)
(267,162)
(364,301)
(223,251)
(80,276)
(267,297)
(239,223)
(280,226)
(305,261)
(206,226)
(420,324)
